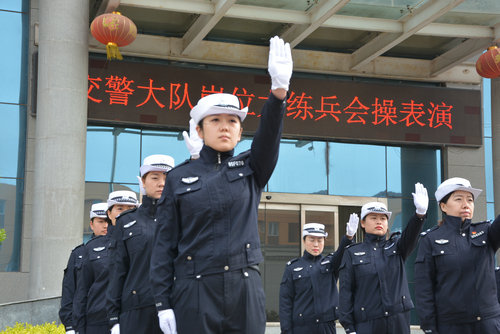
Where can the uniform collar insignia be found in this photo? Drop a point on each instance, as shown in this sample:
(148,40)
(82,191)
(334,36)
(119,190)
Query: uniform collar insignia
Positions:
(98,249)
(441,241)
(236,163)
(298,269)
(359,253)
(190,180)
(129,224)
(476,234)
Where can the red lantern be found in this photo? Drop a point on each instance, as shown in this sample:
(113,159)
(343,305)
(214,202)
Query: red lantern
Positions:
(488,64)
(113,30)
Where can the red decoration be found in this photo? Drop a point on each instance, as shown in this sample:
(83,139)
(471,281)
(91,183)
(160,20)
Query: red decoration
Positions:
(113,30)
(488,64)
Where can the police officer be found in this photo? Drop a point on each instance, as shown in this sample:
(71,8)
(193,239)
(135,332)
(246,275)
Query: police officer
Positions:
(308,291)
(207,248)
(90,300)
(374,294)
(131,307)
(98,225)
(455,286)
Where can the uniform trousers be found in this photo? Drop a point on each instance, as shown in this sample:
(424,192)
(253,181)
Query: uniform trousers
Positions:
(97,329)
(140,321)
(486,326)
(321,328)
(398,323)
(227,303)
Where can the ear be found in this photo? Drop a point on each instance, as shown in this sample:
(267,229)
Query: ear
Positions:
(442,206)
(239,135)
(362,221)
(200,131)
(91,224)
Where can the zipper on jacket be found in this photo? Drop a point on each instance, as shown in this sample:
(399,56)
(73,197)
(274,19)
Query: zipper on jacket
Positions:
(218,161)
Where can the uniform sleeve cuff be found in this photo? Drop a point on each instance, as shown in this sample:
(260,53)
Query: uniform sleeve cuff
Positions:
(113,320)
(163,305)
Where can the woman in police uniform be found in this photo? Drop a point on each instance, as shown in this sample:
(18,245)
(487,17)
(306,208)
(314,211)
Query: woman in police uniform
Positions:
(455,286)
(374,294)
(204,270)
(90,300)
(131,307)
(308,291)
(98,225)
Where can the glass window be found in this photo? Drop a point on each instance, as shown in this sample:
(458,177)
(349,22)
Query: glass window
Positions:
(113,154)
(488,169)
(11,196)
(302,160)
(393,171)
(14,5)
(12,131)
(11,66)
(164,142)
(356,170)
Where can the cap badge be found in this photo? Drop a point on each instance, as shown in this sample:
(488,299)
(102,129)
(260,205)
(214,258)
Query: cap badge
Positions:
(189,180)
(298,269)
(441,241)
(129,224)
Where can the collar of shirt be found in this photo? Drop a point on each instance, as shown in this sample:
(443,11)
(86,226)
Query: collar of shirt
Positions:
(209,155)
(373,238)
(455,224)
(308,256)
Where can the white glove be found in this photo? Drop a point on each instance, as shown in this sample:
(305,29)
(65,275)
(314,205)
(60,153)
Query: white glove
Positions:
(167,321)
(420,199)
(70,332)
(280,63)
(141,186)
(115,329)
(193,142)
(352,225)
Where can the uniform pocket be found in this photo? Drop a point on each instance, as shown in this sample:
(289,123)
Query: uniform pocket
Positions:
(134,239)
(362,265)
(238,179)
(189,196)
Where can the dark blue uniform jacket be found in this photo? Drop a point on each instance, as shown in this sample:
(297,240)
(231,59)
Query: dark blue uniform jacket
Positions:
(373,281)
(69,287)
(90,299)
(455,273)
(308,291)
(208,210)
(129,286)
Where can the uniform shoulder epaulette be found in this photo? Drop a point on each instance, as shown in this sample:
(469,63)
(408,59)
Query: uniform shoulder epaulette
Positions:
(185,162)
(241,155)
(424,233)
(483,222)
(123,213)
(353,244)
(80,245)
(292,261)
(94,239)
(395,235)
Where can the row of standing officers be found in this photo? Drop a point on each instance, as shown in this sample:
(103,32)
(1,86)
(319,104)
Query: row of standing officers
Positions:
(186,260)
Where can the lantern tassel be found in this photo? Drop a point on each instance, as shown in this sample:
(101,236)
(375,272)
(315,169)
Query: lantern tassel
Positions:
(113,52)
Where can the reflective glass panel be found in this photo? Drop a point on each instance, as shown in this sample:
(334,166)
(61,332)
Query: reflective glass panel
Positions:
(12,131)
(487,107)
(11,66)
(393,171)
(280,241)
(11,197)
(356,170)
(301,168)
(488,169)
(164,142)
(113,154)
(15,5)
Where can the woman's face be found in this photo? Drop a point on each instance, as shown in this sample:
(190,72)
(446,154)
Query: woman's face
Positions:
(375,223)
(116,210)
(99,226)
(314,245)
(221,132)
(460,204)
(153,183)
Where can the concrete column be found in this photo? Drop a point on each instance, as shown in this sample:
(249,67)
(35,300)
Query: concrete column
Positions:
(495,139)
(61,121)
